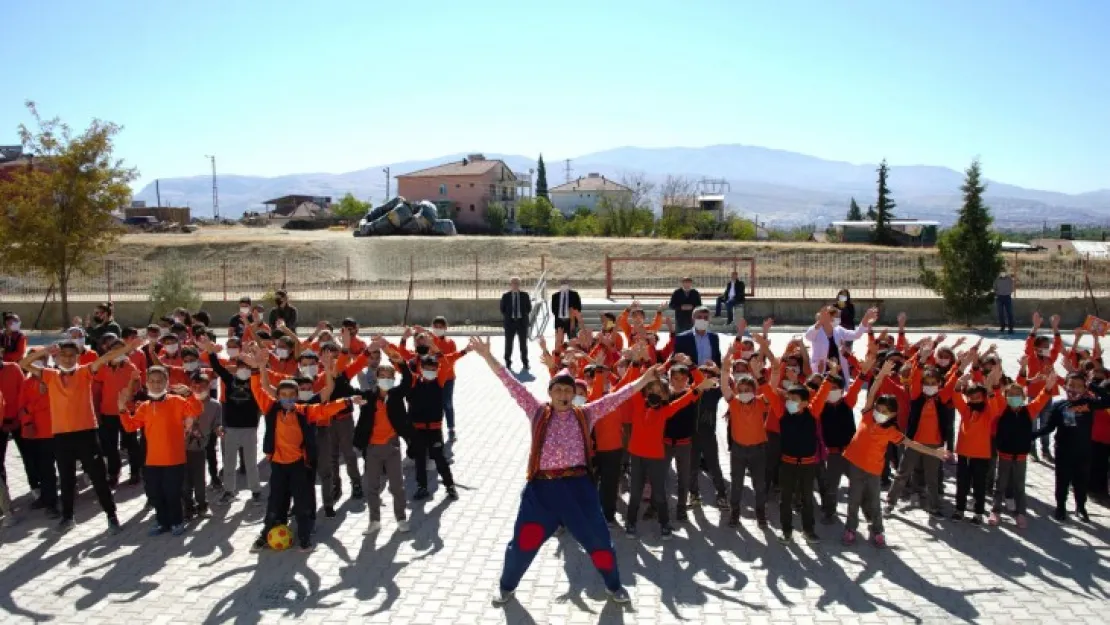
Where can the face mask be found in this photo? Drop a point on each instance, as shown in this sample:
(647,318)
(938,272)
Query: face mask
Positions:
(745,398)
(305,395)
(654,400)
(243,373)
(1015,402)
(843,299)
(191,366)
(1045,353)
(244,310)
(178,319)
(746,355)
(943,362)
(439,332)
(163,332)
(793,407)
(1003,275)
(155,396)
(386,384)
(309,371)
(882,417)
(976,406)
(701,325)
(579,400)
(67,369)
(422,350)
(281,353)
(1074,395)
(929,390)
(14,326)
(287,404)
(233,352)
(39,364)
(171,348)
(429,375)
(834,396)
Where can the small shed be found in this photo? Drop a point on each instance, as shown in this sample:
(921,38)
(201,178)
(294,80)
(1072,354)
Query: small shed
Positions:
(907,232)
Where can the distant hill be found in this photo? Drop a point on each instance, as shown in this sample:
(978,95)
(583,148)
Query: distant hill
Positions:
(780,187)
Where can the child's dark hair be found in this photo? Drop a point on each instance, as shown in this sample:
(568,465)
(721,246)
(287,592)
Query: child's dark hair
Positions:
(190,351)
(801,392)
(440,321)
(887,402)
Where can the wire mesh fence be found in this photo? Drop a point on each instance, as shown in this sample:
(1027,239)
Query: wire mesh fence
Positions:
(774,274)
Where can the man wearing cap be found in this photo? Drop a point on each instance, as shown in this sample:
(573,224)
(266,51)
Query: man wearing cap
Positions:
(516,310)
(559,491)
(683,302)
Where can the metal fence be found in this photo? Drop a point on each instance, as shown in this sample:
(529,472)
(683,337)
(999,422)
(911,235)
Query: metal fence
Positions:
(769,274)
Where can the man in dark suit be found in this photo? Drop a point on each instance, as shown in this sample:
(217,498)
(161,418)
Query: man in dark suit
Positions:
(566,308)
(704,349)
(732,297)
(516,308)
(683,303)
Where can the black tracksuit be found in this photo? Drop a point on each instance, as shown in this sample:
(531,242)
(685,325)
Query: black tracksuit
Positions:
(798,468)
(426,412)
(1072,421)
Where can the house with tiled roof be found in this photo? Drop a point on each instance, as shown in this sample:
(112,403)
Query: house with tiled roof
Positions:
(587,192)
(463,190)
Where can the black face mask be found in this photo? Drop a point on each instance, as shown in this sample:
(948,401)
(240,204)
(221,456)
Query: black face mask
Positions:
(422,349)
(654,400)
(977,406)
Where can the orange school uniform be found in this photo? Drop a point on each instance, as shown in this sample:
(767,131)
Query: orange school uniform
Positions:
(868,447)
(163,425)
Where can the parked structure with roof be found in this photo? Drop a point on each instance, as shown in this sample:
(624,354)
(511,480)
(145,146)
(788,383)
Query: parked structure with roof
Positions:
(907,232)
(288,206)
(463,190)
(587,192)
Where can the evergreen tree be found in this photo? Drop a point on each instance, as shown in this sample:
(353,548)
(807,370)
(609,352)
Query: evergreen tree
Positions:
(884,209)
(970,255)
(541,179)
(854,213)
(871,212)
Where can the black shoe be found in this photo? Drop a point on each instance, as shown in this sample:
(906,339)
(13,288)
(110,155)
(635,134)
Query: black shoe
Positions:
(114,526)
(202,510)
(666,533)
(259,545)
(452,494)
(38,504)
(722,502)
(630,530)
(1083,516)
(1060,515)
(680,516)
(957,516)
(134,480)
(421,494)
(52,513)
(242,471)
(329,512)
(786,538)
(734,519)
(217,484)
(812,537)
(356,491)
(65,525)
(761,521)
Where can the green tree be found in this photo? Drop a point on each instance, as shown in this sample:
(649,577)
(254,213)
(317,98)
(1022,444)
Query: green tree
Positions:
(739,228)
(884,209)
(620,217)
(496,217)
(535,214)
(854,213)
(541,179)
(970,254)
(871,214)
(349,207)
(60,207)
(676,224)
(173,288)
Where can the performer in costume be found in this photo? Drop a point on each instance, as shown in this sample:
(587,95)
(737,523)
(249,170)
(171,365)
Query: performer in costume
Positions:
(559,491)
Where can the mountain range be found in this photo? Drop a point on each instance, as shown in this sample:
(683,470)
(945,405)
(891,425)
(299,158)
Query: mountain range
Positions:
(779,188)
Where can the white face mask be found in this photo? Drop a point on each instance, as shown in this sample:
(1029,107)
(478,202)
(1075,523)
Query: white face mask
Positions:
(944,362)
(1045,353)
(305,395)
(930,390)
(310,371)
(745,398)
(233,352)
(14,326)
(793,407)
(39,364)
(67,369)
(843,298)
(746,355)
(882,418)
(579,400)
(834,396)
(386,384)
(439,332)
(171,348)
(1003,275)
(429,375)
(244,310)
(179,319)
(191,366)
(243,373)
(701,325)
(836,323)
(155,396)
(281,353)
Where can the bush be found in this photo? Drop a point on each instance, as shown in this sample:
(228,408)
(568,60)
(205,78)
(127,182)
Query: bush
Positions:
(496,217)
(173,289)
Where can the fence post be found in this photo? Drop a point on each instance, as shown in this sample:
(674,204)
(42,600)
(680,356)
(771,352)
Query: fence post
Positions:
(108,272)
(805,273)
(224,264)
(543,263)
(608,277)
(1017,265)
(284,271)
(412,273)
(348,278)
(476,283)
(874,278)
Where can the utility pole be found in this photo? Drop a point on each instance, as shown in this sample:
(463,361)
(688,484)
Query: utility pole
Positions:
(387,197)
(568,170)
(215,190)
(158,192)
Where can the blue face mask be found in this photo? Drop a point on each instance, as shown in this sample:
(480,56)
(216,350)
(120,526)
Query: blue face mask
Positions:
(288,404)
(1015,402)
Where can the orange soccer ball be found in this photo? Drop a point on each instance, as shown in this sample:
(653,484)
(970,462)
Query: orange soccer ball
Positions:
(280,538)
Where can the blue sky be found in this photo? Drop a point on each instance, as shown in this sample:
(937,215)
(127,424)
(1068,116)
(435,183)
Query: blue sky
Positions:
(286,87)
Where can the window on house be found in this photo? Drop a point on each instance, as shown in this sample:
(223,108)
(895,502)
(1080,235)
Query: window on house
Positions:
(472,208)
(493,189)
(472,185)
(443,189)
(458,186)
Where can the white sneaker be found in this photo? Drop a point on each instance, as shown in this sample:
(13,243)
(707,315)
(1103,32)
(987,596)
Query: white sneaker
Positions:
(373,529)
(403,526)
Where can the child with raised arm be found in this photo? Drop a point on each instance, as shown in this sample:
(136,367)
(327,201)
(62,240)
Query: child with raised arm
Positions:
(559,490)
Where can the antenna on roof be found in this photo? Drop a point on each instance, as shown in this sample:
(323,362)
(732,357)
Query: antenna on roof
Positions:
(568,169)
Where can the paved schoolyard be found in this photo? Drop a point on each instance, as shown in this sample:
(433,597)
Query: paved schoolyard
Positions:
(443,572)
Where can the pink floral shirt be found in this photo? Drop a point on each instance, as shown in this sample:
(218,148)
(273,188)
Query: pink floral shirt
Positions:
(562,448)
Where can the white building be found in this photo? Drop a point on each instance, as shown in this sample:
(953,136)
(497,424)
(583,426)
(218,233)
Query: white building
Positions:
(586,192)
